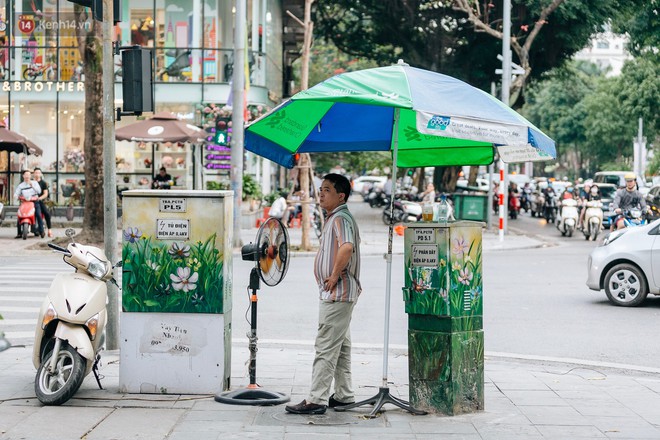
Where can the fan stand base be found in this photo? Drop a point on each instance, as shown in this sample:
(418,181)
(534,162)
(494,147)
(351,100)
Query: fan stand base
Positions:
(379,400)
(252,396)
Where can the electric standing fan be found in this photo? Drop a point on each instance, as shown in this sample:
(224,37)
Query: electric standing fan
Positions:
(271,256)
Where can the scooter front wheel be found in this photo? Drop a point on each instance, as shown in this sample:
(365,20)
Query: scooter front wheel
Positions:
(59,386)
(25,230)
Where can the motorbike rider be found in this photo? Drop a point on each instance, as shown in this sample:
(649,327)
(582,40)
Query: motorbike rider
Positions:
(566,194)
(29,189)
(590,192)
(626,198)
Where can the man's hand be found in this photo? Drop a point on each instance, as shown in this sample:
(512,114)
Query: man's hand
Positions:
(330,283)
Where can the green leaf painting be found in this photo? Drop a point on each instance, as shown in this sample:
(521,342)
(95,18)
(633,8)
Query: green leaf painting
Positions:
(171,277)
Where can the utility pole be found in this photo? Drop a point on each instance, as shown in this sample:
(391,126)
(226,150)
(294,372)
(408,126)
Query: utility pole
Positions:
(109,173)
(506,85)
(639,150)
(237,119)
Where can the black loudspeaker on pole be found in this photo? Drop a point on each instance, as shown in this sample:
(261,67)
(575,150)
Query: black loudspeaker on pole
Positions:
(137,82)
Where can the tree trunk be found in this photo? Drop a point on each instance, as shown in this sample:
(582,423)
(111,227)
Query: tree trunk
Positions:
(91,51)
(474,172)
(444,178)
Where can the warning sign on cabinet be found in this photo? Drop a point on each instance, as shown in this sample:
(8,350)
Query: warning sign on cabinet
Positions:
(424,235)
(172,205)
(424,255)
(172,229)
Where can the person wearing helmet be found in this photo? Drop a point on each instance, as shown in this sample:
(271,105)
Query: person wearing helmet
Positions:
(625,199)
(568,193)
(589,193)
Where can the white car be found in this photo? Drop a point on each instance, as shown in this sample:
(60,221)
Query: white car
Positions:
(627,265)
(365,183)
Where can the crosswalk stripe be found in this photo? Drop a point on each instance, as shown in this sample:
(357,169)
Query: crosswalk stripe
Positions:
(22,298)
(19,289)
(7,322)
(7,309)
(12,336)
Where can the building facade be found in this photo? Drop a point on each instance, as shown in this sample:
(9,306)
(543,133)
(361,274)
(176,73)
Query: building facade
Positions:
(42,86)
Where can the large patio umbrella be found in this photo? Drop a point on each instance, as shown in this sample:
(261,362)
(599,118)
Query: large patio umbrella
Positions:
(17,143)
(161,127)
(423,118)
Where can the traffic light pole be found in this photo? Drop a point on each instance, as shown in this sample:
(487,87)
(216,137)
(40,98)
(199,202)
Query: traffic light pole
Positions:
(238,90)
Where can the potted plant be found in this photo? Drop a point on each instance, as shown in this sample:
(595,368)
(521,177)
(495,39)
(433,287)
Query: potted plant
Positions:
(251,191)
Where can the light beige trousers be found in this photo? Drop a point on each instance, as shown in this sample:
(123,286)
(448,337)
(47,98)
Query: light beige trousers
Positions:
(333,354)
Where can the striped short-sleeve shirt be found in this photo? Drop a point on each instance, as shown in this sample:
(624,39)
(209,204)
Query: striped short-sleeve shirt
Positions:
(340,228)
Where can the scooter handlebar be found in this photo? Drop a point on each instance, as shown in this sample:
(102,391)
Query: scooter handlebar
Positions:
(58,248)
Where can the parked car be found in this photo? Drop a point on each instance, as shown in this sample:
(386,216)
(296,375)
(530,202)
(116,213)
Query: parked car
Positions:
(618,178)
(363,184)
(624,265)
(481,185)
(653,202)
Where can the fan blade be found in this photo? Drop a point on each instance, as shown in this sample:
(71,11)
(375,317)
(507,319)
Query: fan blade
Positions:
(265,264)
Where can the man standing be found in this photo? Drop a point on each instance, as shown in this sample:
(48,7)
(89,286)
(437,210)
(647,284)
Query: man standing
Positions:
(337,272)
(625,199)
(162,180)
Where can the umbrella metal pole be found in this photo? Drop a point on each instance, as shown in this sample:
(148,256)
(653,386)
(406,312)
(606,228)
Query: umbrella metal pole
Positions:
(384,395)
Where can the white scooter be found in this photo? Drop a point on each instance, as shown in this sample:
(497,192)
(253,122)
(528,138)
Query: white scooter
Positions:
(568,218)
(70,330)
(593,219)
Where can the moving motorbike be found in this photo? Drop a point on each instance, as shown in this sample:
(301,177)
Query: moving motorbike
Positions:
(568,218)
(514,205)
(593,219)
(550,207)
(26,215)
(404,211)
(377,198)
(634,217)
(70,330)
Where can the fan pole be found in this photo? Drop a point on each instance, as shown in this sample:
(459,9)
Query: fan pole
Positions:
(252,394)
(384,395)
(252,336)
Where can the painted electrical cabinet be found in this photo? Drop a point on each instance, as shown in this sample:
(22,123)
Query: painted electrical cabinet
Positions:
(443,296)
(175,325)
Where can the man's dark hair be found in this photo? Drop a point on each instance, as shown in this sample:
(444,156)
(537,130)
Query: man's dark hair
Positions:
(163,169)
(341,184)
(36,168)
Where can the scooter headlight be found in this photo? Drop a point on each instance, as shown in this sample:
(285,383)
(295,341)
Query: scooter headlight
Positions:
(48,316)
(96,267)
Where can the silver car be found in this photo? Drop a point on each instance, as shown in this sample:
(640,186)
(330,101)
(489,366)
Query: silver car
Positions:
(627,265)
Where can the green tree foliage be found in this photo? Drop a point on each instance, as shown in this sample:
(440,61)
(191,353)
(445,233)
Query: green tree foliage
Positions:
(327,61)
(435,36)
(555,104)
(594,116)
(642,24)
(614,109)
